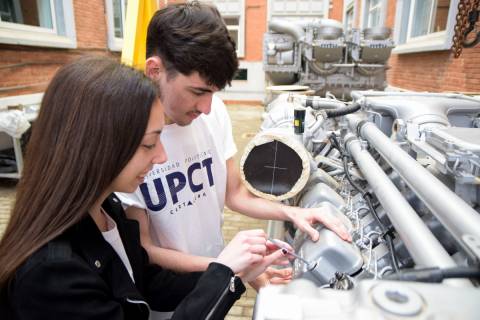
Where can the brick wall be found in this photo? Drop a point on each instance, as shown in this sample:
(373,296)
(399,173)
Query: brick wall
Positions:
(335,10)
(28,69)
(434,71)
(90,23)
(255,27)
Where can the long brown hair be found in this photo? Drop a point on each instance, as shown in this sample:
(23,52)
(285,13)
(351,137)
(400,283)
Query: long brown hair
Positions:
(93,116)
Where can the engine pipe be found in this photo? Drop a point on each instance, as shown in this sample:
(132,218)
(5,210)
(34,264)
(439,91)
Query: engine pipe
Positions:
(317,103)
(436,275)
(424,248)
(462,221)
(359,94)
(288,27)
(343,111)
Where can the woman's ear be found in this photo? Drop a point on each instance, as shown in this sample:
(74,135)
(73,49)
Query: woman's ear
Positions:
(154,67)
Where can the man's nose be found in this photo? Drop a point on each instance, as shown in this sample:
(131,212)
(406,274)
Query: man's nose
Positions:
(204,105)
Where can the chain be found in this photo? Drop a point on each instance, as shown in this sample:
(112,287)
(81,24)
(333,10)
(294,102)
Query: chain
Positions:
(465,7)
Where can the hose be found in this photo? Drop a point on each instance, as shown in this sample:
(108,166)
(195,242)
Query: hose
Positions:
(343,111)
(367,196)
(435,274)
(385,233)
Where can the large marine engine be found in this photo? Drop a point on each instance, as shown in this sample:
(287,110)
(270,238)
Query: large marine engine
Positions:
(321,55)
(402,170)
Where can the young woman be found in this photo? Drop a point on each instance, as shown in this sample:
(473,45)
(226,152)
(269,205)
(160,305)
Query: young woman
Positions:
(69,252)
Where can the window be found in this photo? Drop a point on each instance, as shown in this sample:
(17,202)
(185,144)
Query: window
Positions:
(349,16)
(424,18)
(241,74)
(233,27)
(38,23)
(374,13)
(297,9)
(424,25)
(233,13)
(302,11)
(116,11)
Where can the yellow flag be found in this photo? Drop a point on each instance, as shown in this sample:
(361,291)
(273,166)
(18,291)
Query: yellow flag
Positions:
(138,15)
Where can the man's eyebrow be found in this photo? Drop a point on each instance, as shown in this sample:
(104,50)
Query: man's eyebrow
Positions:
(200,89)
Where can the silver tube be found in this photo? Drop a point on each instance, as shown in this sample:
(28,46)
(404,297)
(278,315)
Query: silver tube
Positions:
(284,46)
(419,240)
(462,221)
(288,27)
(359,94)
(318,103)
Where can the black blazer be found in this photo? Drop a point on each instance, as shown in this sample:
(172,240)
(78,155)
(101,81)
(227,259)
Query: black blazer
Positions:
(79,276)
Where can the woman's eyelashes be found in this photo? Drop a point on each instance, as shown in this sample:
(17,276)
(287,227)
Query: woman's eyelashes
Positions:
(149,146)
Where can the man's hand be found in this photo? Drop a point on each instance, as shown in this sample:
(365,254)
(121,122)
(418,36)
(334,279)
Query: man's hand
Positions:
(279,276)
(305,218)
(272,276)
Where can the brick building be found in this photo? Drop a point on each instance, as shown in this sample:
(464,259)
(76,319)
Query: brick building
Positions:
(37,37)
(422,30)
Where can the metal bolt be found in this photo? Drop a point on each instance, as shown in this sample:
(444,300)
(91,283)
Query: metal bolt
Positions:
(396,296)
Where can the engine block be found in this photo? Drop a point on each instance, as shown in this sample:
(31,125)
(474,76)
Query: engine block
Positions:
(319,54)
(402,171)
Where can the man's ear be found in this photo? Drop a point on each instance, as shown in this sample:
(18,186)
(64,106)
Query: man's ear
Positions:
(154,67)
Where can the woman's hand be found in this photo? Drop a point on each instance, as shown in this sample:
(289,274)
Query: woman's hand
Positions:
(276,254)
(246,249)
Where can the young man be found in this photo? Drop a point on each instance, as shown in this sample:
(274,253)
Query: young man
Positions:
(180,203)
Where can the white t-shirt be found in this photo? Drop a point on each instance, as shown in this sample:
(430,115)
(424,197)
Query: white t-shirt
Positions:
(113,237)
(184,197)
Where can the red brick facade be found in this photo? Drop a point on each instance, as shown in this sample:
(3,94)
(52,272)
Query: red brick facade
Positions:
(335,10)
(28,69)
(255,27)
(434,71)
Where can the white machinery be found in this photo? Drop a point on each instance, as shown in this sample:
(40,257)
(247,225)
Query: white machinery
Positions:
(321,55)
(402,170)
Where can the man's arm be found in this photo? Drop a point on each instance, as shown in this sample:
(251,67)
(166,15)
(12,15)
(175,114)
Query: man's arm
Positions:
(167,258)
(239,199)
(176,260)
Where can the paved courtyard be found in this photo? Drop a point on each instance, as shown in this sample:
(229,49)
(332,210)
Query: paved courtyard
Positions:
(246,121)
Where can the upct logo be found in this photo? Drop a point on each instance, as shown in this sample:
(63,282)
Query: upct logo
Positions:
(176,182)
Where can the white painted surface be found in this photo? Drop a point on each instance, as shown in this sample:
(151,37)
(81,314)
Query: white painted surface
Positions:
(247,90)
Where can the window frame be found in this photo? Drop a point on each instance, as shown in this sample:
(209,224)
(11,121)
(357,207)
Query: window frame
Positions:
(411,21)
(240,28)
(370,10)
(296,16)
(435,41)
(366,13)
(114,43)
(241,34)
(21,34)
(349,6)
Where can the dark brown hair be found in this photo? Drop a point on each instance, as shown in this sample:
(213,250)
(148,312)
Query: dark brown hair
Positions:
(93,116)
(191,37)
